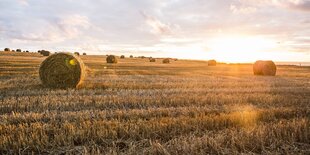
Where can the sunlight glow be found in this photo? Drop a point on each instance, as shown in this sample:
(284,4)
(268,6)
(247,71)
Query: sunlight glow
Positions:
(241,49)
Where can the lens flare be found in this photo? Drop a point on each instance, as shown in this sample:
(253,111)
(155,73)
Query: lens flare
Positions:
(72,62)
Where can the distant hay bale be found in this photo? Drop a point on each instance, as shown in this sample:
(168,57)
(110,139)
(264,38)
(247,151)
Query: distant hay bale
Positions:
(7,49)
(122,57)
(266,68)
(111,59)
(212,63)
(77,53)
(18,50)
(45,53)
(62,70)
(166,61)
(152,60)
(131,56)
(84,54)
(27,51)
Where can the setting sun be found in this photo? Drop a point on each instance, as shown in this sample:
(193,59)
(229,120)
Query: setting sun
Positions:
(241,49)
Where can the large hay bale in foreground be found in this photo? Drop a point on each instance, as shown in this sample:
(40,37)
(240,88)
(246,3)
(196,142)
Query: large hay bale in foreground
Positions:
(212,63)
(166,61)
(111,59)
(267,68)
(62,70)
(7,49)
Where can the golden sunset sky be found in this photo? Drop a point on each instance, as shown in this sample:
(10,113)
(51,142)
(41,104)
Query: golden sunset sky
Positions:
(226,30)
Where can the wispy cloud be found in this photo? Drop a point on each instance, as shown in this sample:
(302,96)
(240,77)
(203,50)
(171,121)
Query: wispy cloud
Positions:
(157,27)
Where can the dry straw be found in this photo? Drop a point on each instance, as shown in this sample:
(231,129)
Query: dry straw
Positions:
(62,70)
(111,59)
(267,68)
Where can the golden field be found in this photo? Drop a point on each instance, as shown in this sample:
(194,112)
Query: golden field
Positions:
(141,107)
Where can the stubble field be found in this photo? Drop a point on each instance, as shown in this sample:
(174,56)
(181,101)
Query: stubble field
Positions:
(140,107)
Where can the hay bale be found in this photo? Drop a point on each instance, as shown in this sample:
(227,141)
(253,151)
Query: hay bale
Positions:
(7,50)
(111,59)
(45,53)
(212,63)
(131,56)
(166,61)
(27,51)
(266,68)
(84,54)
(152,60)
(122,57)
(77,53)
(18,50)
(62,70)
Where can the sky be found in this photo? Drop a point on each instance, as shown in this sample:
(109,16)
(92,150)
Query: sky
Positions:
(225,30)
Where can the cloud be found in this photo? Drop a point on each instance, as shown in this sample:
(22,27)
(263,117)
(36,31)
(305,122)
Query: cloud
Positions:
(303,5)
(23,2)
(242,10)
(71,26)
(157,27)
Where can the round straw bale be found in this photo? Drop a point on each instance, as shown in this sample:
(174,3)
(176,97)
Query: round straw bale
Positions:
(84,54)
(18,50)
(7,49)
(152,60)
(62,70)
(131,56)
(267,68)
(45,53)
(122,56)
(166,61)
(212,63)
(111,59)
